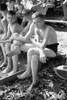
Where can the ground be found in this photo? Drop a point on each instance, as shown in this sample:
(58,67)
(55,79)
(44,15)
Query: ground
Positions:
(49,87)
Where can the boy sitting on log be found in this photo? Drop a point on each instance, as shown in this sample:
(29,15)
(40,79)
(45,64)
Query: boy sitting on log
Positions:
(14,29)
(45,47)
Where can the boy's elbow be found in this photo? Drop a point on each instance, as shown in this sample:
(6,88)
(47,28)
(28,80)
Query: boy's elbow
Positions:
(42,46)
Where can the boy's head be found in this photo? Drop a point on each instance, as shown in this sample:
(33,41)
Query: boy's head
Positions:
(18,1)
(34,1)
(11,16)
(3,7)
(11,1)
(27,14)
(38,19)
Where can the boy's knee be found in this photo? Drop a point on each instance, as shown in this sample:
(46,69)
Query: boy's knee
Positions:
(12,47)
(30,51)
(35,58)
(7,46)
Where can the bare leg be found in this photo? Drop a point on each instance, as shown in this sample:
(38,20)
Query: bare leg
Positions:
(13,52)
(15,62)
(8,68)
(27,72)
(5,58)
(34,52)
(24,47)
(15,65)
(34,68)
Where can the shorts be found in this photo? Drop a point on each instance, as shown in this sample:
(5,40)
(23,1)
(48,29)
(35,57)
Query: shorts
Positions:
(53,47)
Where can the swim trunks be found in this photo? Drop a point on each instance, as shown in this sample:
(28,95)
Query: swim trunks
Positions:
(53,47)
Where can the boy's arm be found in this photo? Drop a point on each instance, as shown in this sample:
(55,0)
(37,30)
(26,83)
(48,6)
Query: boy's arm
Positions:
(35,6)
(26,37)
(8,34)
(5,25)
(44,42)
(42,55)
(26,29)
(65,2)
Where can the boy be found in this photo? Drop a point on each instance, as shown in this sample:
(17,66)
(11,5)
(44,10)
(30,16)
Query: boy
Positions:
(13,29)
(45,47)
(27,16)
(3,11)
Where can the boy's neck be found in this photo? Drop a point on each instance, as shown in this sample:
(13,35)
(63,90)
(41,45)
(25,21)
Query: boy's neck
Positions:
(4,14)
(43,27)
(13,23)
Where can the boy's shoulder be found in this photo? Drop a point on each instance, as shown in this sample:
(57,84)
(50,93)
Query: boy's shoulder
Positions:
(4,21)
(32,25)
(17,26)
(50,28)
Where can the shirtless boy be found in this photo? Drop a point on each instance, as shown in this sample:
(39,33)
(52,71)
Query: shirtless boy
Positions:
(27,16)
(3,11)
(13,29)
(45,47)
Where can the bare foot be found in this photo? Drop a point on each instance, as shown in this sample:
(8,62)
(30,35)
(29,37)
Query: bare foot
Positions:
(23,75)
(11,73)
(34,84)
(6,70)
(3,64)
(4,75)
(30,88)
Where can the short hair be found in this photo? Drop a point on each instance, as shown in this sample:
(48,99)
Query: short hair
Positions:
(38,14)
(11,12)
(3,6)
(26,12)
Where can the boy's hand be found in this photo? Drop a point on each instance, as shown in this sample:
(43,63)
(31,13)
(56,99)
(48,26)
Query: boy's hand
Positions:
(33,41)
(43,58)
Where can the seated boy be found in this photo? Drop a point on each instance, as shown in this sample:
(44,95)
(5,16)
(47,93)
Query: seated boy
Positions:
(27,16)
(14,28)
(45,47)
(4,23)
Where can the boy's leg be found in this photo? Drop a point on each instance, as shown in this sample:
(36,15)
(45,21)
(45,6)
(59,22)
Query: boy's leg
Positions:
(5,58)
(13,52)
(24,47)
(8,68)
(34,68)
(34,63)
(14,61)
(49,52)
(28,70)
(30,52)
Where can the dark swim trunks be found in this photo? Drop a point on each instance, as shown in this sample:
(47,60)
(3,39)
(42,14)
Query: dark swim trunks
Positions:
(53,47)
